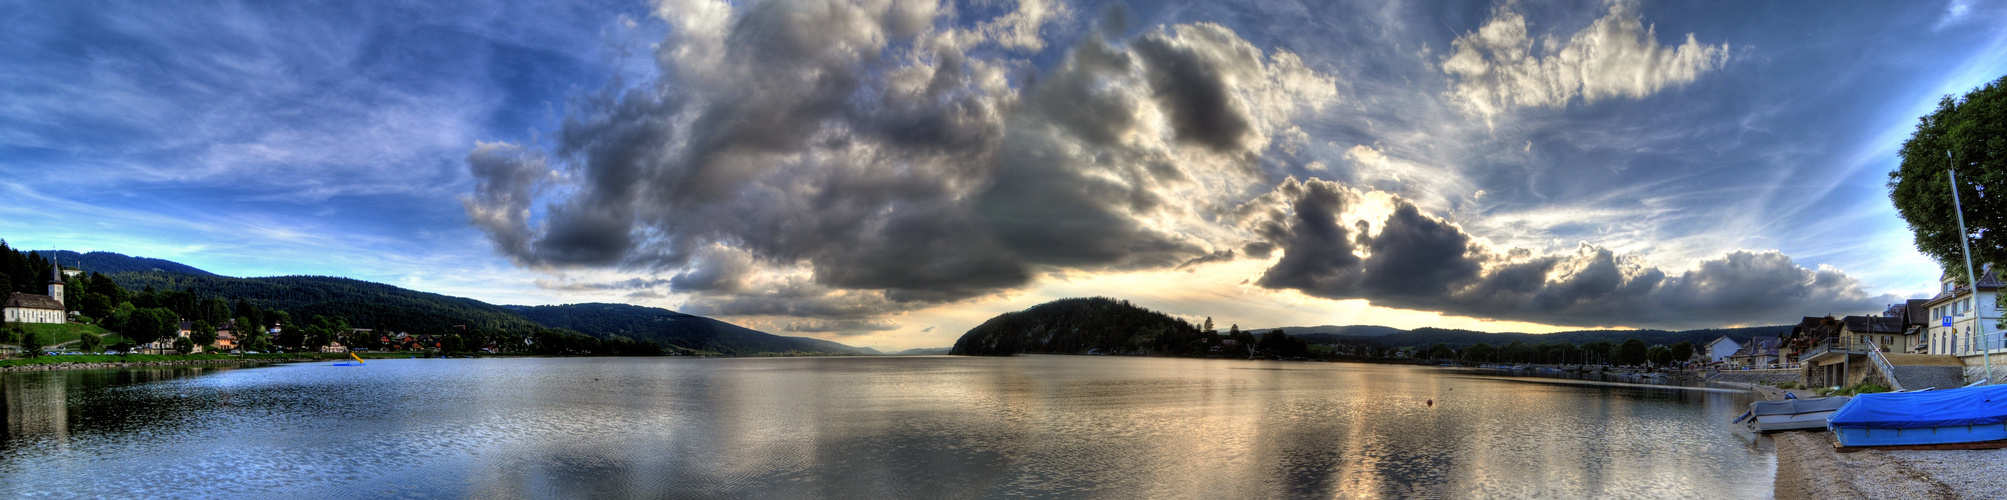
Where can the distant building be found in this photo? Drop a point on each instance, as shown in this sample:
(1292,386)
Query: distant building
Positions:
(1881,331)
(31,308)
(226,339)
(1720,349)
(1761,352)
(1962,308)
(1915,323)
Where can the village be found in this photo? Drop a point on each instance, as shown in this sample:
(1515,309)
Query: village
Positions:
(197,336)
(1945,341)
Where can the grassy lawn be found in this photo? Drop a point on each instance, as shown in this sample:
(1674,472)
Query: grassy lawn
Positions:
(99,358)
(52,334)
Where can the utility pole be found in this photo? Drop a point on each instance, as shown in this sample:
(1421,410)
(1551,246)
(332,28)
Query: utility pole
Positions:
(1971,278)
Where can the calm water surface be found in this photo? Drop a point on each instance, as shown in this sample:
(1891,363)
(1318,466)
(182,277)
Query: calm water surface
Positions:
(865,427)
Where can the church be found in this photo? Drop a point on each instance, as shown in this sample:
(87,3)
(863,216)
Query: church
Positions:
(31,308)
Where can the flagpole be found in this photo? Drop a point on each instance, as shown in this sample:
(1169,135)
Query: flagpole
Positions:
(1971,278)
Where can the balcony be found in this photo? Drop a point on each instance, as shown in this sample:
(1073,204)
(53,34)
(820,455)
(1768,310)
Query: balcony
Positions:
(1843,345)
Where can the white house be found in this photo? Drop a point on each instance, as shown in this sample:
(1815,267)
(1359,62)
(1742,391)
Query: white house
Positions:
(31,308)
(1959,306)
(1720,349)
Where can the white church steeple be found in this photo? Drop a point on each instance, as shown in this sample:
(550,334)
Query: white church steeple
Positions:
(56,282)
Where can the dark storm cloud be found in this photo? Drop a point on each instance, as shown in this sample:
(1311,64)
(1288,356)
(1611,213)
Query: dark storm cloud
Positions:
(1188,85)
(842,327)
(715,271)
(507,180)
(801,299)
(864,144)
(1416,261)
(1317,247)
(627,284)
(1219,256)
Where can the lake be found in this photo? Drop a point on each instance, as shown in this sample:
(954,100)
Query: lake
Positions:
(866,427)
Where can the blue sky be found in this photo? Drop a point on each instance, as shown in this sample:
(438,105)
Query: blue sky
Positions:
(891,173)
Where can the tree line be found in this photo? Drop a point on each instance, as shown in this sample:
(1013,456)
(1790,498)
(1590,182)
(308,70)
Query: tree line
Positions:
(1631,352)
(204,302)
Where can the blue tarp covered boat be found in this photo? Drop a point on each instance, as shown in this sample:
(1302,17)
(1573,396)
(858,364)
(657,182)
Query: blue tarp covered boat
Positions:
(1964,415)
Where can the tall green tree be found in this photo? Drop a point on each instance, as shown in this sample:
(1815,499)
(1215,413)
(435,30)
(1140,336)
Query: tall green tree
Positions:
(215,311)
(1631,352)
(1441,351)
(1659,355)
(1480,353)
(1968,134)
(202,333)
(103,285)
(151,324)
(1682,351)
(90,342)
(30,345)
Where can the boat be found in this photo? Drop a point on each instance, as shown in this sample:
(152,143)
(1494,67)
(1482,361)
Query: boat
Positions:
(1964,415)
(1791,414)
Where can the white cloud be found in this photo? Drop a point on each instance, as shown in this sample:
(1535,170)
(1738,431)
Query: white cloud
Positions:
(1019,29)
(1496,68)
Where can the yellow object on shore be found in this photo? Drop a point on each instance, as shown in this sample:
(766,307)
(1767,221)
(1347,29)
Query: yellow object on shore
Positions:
(358,359)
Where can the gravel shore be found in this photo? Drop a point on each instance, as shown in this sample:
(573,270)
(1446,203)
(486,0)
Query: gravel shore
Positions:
(1807,467)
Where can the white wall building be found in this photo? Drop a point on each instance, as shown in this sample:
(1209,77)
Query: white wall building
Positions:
(1720,349)
(31,308)
(1962,310)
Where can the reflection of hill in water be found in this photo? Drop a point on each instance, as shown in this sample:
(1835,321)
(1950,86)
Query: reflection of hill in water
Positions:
(38,405)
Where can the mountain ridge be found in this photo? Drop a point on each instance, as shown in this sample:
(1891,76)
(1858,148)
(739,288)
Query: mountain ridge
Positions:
(110,262)
(368,304)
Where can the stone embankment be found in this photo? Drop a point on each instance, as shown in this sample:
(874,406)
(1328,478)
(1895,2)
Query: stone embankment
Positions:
(1756,376)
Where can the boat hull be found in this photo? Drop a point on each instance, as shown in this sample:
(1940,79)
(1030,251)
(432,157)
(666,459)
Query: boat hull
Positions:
(1861,436)
(1802,421)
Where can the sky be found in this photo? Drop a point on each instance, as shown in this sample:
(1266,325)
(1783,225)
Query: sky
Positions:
(892,173)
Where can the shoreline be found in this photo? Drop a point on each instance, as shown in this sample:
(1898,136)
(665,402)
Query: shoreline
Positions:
(109,365)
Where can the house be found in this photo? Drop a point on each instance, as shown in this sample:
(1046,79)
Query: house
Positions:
(166,345)
(1720,349)
(1915,324)
(334,346)
(1955,314)
(186,328)
(31,308)
(226,339)
(1882,332)
(1761,352)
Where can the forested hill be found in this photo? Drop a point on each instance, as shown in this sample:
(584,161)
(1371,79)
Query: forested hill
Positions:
(1342,331)
(364,304)
(376,305)
(1075,326)
(112,263)
(673,328)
